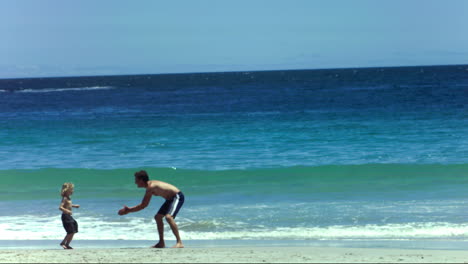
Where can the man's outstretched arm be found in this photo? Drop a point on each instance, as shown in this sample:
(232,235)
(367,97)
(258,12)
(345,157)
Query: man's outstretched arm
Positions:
(144,203)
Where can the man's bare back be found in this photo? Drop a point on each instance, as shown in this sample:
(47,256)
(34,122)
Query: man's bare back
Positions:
(163,189)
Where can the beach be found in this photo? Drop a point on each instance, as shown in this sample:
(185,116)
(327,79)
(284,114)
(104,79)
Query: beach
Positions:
(234,255)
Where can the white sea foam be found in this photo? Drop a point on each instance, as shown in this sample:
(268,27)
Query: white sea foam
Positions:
(49,90)
(138,228)
(408,231)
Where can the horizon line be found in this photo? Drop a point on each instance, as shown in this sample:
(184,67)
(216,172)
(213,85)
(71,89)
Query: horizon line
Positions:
(235,71)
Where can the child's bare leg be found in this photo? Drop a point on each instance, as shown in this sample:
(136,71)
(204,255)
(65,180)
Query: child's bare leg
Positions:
(66,241)
(70,238)
(160,225)
(170,220)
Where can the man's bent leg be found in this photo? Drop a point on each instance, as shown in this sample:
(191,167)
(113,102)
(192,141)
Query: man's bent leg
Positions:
(160,225)
(170,220)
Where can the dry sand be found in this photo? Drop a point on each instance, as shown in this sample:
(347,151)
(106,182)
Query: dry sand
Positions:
(234,255)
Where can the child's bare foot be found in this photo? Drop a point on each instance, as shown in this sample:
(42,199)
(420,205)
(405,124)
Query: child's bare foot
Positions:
(159,245)
(68,247)
(178,245)
(63,245)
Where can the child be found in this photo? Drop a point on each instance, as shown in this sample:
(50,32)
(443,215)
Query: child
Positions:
(70,225)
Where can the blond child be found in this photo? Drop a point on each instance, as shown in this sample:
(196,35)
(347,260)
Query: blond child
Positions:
(70,225)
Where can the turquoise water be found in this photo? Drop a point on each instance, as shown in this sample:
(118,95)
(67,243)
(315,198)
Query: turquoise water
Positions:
(378,154)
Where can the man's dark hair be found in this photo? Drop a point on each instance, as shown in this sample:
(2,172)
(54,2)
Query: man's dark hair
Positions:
(142,175)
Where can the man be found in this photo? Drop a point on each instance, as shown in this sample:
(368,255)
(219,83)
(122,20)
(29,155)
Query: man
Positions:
(174,201)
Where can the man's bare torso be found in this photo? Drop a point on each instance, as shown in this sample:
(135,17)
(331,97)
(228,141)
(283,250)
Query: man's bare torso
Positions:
(163,189)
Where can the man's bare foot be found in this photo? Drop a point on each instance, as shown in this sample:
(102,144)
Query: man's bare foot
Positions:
(68,247)
(63,245)
(159,245)
(178,245)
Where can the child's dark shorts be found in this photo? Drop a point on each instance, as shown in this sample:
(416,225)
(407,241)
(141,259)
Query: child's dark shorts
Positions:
(70,225)
(173,205)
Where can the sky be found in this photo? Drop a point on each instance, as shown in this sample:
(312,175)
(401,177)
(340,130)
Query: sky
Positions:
(50,38)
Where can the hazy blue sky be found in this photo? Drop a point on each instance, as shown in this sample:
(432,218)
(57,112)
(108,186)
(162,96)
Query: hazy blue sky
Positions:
(69,37)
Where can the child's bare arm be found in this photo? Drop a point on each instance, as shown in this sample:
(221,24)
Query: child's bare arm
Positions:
(65,210)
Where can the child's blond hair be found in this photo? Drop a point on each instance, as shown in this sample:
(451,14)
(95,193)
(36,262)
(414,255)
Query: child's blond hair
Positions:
(66,187)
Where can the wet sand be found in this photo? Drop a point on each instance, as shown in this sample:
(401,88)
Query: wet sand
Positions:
(233,255)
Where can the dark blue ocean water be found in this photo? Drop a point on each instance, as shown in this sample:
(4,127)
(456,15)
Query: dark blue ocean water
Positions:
(340,154)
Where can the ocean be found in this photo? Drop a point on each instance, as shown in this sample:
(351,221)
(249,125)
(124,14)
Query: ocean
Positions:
(363,156)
